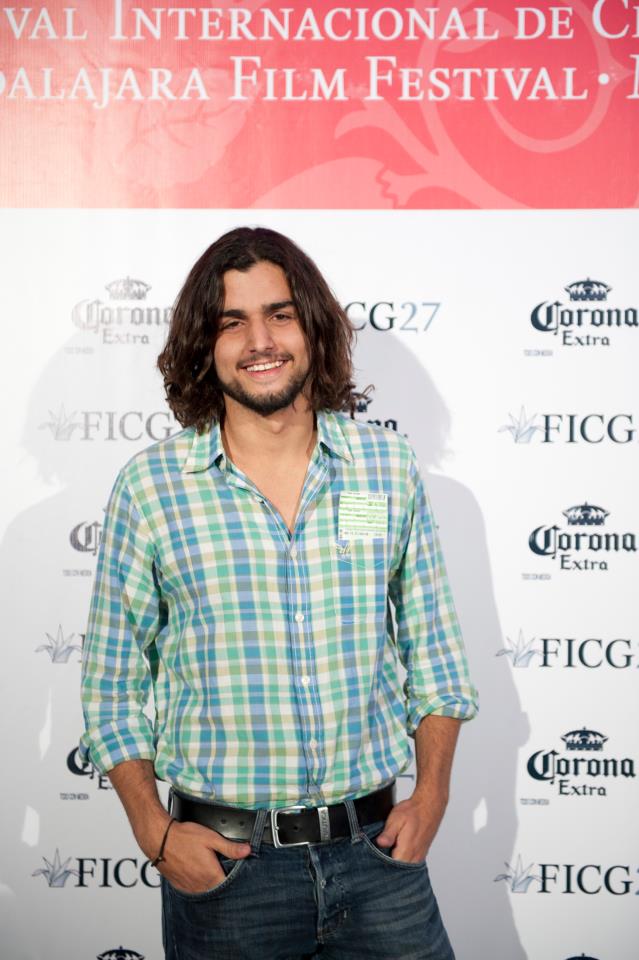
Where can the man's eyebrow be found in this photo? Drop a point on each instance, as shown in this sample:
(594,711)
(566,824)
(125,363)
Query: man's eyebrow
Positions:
(266,309)
(278,305)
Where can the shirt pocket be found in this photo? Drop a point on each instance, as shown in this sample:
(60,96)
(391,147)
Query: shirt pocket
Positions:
(361,568)
(366,554)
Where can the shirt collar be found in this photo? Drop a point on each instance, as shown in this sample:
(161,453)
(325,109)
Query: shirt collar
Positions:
(331,434)
(207,448)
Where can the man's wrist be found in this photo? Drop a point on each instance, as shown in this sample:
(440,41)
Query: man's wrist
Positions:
(149,834)
(431,793)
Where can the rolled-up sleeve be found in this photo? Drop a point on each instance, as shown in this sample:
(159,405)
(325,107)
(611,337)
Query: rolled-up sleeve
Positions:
(429,640)
(124,619)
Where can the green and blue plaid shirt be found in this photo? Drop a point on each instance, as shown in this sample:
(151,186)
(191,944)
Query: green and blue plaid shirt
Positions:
(273,658)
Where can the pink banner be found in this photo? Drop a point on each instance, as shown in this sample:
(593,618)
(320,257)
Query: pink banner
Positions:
(116,104)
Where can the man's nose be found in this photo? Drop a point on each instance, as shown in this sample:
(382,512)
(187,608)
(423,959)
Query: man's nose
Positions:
(259,336)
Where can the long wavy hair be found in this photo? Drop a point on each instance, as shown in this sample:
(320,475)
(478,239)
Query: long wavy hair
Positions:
(193,391)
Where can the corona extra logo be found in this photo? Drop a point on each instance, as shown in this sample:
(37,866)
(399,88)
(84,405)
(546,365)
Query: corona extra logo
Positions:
(554,543)
(584,321)
(126,318)
(550,766)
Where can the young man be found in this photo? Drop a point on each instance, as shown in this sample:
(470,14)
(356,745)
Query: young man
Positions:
(245,574)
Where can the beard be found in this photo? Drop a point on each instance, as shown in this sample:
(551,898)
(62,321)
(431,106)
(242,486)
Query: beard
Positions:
(265,403)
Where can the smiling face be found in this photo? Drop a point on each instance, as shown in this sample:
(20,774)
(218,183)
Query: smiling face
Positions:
(260,353)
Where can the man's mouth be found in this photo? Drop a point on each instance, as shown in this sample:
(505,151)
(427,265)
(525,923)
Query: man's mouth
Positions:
(267,365)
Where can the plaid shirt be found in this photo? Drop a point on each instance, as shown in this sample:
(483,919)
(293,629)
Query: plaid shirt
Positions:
(273,658)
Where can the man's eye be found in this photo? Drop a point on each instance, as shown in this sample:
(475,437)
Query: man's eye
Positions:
(282,316)
(231,323)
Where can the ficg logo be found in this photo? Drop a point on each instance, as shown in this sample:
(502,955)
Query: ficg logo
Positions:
(572,324)
(590,653)
(408,316)
(549,766)
(569,878)
(553,542)
(592,428)
(126,319)
(109,425)
(98,872)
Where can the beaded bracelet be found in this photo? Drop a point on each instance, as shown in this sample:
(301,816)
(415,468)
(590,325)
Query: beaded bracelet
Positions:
(160,856)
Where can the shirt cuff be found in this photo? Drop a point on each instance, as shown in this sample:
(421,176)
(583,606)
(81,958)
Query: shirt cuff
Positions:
(114,742)
(460,708)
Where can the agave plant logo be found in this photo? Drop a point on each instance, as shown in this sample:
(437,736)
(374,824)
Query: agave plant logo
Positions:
(120,953)
(56,873)
(521,652)
(61,424)
(518,877)
(521,428)
(59,647)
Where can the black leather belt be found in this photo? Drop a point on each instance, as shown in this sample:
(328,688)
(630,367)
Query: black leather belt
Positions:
(285,826)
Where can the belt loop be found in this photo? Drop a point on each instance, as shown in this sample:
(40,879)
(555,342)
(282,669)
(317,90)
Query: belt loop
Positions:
(353,822)
(258,831)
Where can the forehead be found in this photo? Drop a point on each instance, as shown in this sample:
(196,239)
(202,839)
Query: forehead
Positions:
(262,283)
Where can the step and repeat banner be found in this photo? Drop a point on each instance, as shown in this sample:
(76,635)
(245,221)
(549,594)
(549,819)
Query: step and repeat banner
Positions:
(466,177)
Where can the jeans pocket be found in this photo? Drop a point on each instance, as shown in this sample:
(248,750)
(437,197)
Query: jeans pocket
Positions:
(369,844)
(231,868)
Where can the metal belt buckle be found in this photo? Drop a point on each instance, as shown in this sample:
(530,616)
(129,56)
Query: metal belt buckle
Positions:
(324,822)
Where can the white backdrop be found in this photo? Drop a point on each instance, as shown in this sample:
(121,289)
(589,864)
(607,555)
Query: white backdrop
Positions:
(524,868)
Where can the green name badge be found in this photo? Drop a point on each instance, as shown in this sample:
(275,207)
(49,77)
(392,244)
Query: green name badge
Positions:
(362,516)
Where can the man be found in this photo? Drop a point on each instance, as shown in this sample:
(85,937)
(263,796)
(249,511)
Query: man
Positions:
(245,574)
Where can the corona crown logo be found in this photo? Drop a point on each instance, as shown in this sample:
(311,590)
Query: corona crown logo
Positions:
(587,290)
(127,289)
(586,514)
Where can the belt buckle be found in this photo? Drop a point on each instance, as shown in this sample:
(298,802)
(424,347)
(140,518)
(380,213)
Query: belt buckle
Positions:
(325,829)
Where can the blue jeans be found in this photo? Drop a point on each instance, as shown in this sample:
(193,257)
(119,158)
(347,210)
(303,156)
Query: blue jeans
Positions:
(338,900)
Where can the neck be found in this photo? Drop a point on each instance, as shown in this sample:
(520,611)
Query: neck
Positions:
(249,437)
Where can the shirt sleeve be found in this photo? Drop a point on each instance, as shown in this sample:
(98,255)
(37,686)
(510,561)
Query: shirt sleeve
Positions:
(124,619)
(429,640)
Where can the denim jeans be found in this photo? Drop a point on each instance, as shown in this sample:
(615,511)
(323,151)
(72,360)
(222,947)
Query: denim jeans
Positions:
(337,900)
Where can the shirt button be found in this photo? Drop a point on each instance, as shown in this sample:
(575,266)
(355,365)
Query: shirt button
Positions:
(299,617)
(312,742)
(293,553)
(306,680)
